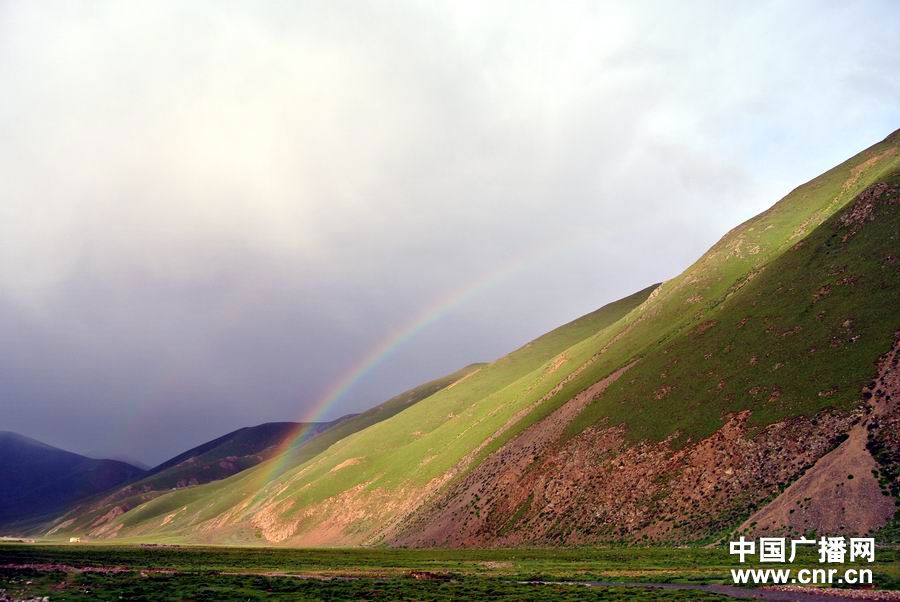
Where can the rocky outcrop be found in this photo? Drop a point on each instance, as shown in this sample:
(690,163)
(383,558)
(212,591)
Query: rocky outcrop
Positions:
(597,488)
(841,493)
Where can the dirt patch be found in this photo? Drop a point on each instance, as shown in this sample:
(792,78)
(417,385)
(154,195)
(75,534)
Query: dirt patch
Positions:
(837,495)
(61,526)
(857,172)
(557,362)
(865,206)
(704,326)
(168,518)
(53,567)
(114,513)
(456,382)
(346,463)
(271,521)
(430,576)
(846,188)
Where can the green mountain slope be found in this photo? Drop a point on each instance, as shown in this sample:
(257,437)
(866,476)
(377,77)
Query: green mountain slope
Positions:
(609,456)
(803,335)
(790,366)
(298,454)
(672,414)
(412,443)
(689,300)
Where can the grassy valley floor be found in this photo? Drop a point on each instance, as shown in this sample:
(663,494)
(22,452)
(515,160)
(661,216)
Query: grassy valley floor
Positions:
(103,572)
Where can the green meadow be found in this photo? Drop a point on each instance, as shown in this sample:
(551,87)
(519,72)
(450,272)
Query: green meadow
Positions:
(104,572)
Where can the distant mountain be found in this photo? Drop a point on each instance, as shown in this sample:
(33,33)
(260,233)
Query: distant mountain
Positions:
(37,479)
(225,455)
(129,460)
(211,461)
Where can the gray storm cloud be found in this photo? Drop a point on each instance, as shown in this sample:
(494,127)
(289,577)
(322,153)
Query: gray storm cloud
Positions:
(211,210)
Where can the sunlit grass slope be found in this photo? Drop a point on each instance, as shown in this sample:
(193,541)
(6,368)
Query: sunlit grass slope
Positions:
(299,454)
(408,451)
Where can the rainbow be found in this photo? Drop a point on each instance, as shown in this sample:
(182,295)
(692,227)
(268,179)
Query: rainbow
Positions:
(390,343)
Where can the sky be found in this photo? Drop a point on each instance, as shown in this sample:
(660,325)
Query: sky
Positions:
(211,213)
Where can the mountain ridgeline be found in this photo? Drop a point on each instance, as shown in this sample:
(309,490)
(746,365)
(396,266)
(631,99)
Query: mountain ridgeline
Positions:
(754,392)
(38,479)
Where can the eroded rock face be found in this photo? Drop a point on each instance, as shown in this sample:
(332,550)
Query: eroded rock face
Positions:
(863,208)
(841,493)
(595,488)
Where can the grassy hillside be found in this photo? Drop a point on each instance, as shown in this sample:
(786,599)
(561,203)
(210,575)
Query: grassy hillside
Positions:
(417,445)
(709,423)
(802,336)
(298,454)
(779,295)
(688,302)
